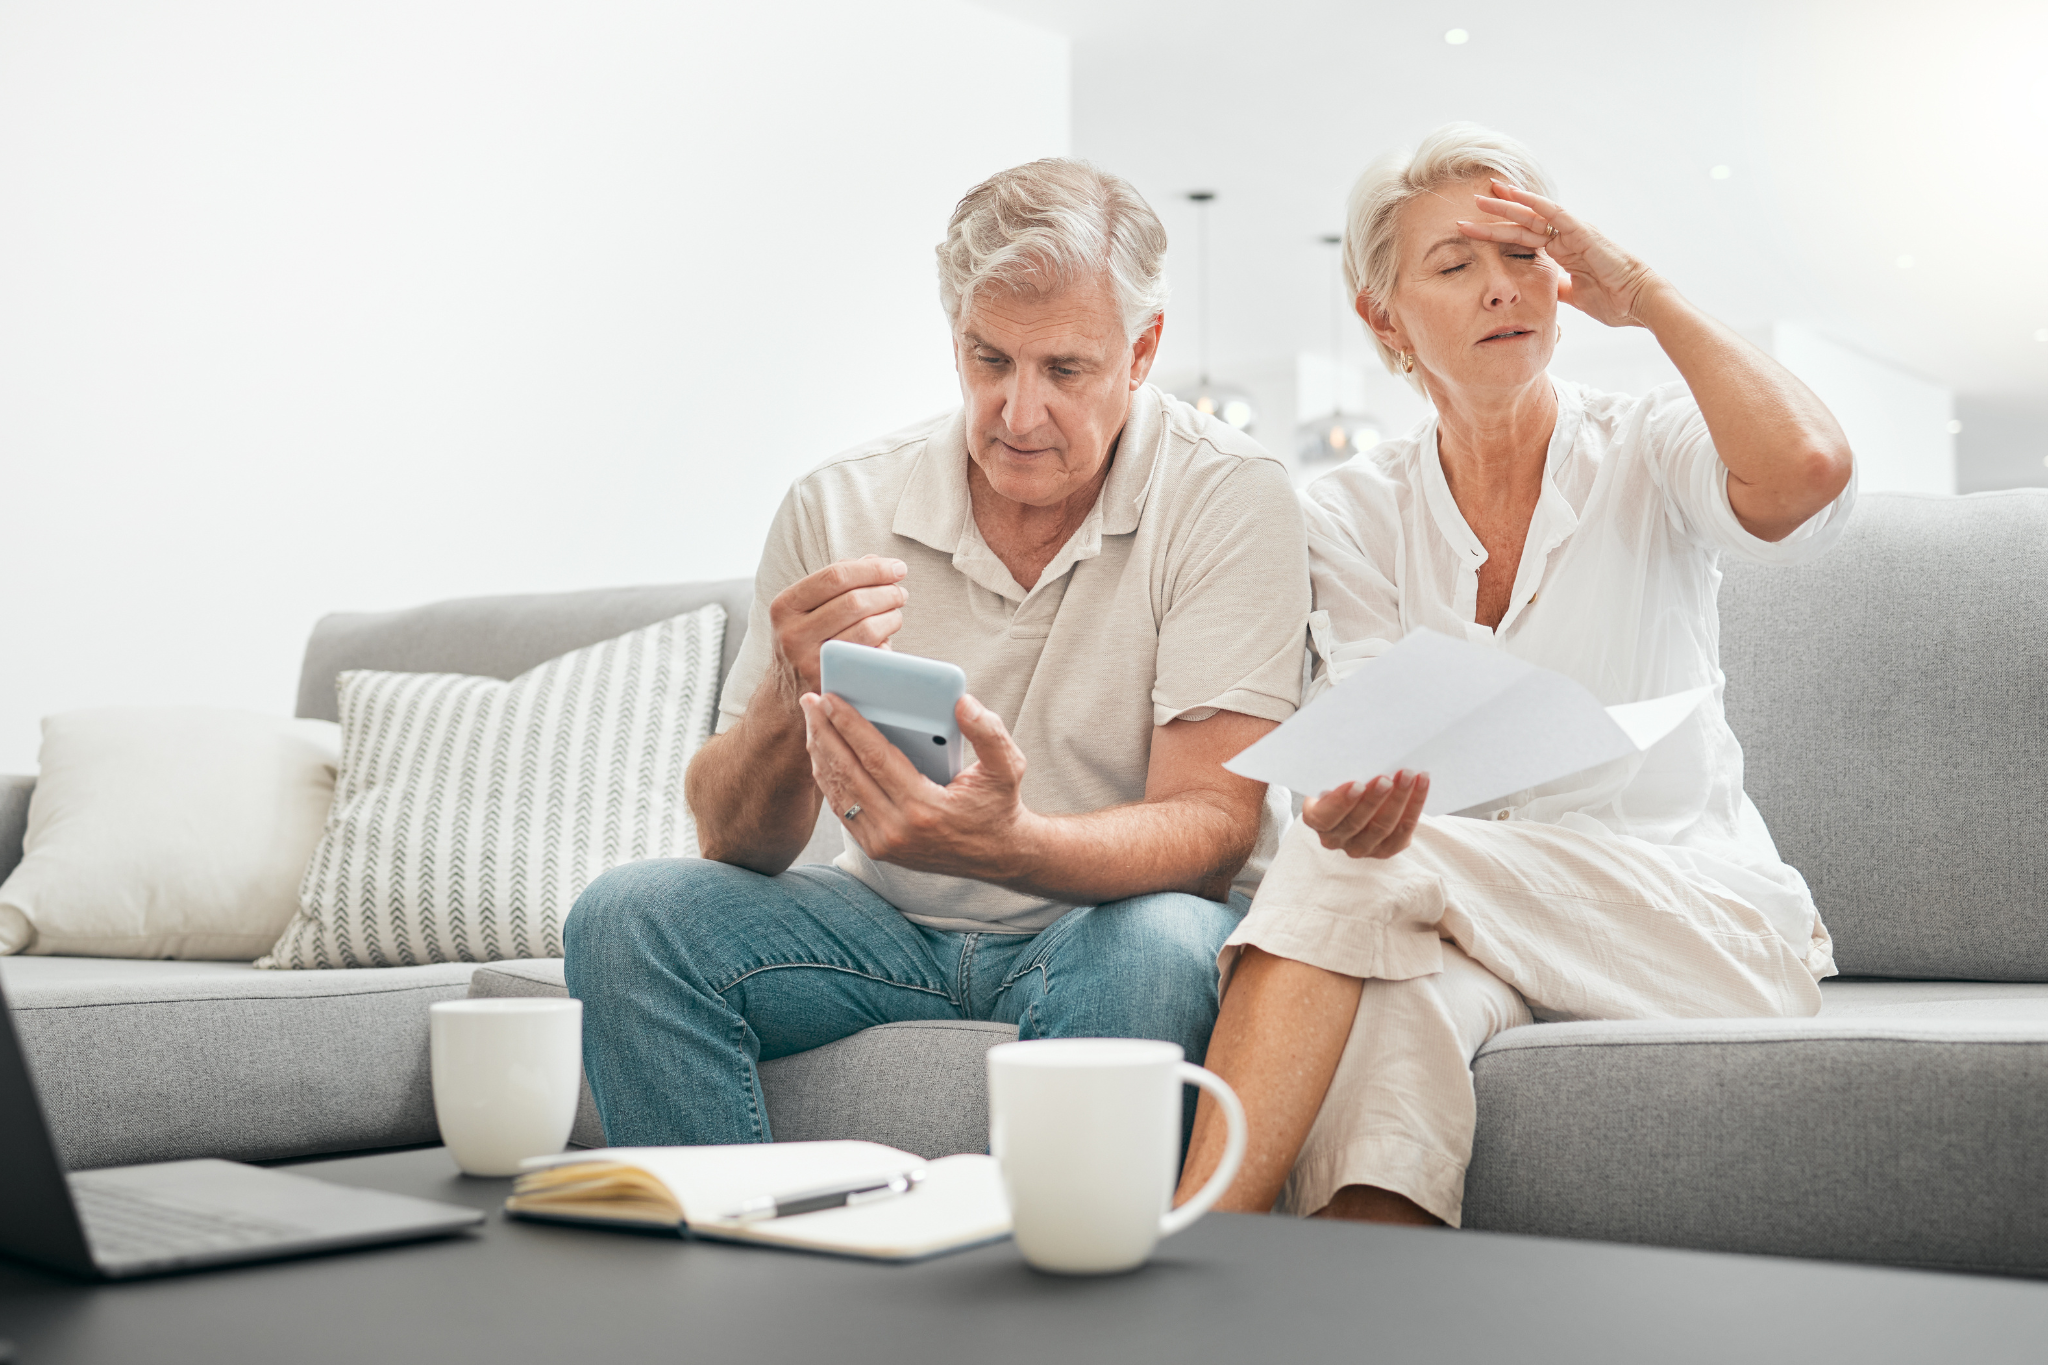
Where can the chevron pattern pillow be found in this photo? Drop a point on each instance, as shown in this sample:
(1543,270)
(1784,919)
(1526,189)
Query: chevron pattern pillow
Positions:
(470,813)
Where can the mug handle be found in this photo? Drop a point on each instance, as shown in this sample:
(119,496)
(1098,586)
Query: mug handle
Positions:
(1178,1220)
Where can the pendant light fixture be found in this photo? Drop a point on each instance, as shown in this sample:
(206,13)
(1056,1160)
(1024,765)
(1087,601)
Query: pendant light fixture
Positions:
(1343,433)
(1228,402)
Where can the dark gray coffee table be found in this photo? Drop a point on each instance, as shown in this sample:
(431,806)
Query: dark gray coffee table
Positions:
(1235,1288)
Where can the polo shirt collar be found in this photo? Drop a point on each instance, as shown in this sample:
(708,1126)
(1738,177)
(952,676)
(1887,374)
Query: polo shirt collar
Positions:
(936,509)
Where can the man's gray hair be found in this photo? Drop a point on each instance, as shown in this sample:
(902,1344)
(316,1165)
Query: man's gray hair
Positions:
(1043,226)
(1372,238)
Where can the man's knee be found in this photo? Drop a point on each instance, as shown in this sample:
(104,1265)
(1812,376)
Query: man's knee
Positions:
(1144,967)
(637,910)
(1172,935)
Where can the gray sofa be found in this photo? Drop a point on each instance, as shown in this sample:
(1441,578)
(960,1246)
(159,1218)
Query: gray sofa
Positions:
(1893,701)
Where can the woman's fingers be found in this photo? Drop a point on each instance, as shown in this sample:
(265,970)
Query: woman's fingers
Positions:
(1516,194)
(1375,795)
(1323,813)
(1404,830)
(1513,212)
(1514,234)
(1379,793)
(1374,830)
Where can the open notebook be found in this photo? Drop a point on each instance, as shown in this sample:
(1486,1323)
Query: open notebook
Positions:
(959,1203)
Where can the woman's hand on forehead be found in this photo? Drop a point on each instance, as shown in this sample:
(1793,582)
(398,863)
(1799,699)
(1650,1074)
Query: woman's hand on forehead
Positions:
(1603,281)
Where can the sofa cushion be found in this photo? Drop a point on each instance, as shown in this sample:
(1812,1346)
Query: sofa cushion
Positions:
(921,1087)
(156,1061)
(501,637)
(1890,702)
(168,831)
(1901,1126)
(469,813)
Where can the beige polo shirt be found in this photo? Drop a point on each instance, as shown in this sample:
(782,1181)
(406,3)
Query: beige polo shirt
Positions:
(1184,593)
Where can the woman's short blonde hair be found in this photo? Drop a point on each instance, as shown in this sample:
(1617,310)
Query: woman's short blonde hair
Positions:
(1047,224)
(1454,152)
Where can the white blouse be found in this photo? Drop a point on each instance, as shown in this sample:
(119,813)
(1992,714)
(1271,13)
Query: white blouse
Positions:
(1617,588)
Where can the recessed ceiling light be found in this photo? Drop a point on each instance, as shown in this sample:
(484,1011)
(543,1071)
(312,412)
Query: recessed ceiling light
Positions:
(1904,263)
(1456,36)
(1720,172)
(1955,428)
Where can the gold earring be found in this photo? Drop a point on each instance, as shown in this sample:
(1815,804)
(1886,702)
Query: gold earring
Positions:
(1407,363)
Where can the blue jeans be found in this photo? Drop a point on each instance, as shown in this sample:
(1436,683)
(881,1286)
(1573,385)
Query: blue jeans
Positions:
(692,972)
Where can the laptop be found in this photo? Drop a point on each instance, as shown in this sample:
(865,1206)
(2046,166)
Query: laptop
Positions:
(127,1221)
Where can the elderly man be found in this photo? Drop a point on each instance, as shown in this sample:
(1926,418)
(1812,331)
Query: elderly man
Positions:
(1124,582)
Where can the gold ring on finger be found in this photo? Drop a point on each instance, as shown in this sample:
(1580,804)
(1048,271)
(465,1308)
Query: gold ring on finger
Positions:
(1553,232)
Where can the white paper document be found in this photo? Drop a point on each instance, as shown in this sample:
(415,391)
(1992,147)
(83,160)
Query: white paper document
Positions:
(1483,724)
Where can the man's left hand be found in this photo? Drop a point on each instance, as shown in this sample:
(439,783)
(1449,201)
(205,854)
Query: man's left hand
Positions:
(977,826)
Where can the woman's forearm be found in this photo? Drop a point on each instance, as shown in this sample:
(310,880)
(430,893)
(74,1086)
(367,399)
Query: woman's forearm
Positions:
(1786,455)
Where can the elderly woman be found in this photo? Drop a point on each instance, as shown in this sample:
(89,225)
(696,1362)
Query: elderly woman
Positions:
(1578,530)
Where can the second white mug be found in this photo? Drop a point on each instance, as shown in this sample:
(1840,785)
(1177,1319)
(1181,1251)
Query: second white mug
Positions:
(507,1074)
(1087,1132)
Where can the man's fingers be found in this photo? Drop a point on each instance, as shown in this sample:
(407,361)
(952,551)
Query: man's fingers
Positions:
(835,767)
(882,762)
(812,591)
(873,630)
(994,750)
(845,783)
(850,608)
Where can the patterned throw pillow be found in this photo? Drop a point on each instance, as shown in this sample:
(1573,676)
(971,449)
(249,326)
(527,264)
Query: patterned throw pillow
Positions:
(469,813)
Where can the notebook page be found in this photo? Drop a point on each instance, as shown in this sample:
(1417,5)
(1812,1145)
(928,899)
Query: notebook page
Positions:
(960,1203)
(710,1181)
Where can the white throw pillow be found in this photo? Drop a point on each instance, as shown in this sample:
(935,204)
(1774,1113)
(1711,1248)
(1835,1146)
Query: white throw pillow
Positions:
(470,813)
(168,832)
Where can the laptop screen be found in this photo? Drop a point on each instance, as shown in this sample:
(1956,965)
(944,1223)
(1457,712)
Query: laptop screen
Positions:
(41,1223)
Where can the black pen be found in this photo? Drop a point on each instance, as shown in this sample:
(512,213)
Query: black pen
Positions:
(864,1190)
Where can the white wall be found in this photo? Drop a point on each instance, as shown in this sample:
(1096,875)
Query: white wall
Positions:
(1896,422)
(310,307)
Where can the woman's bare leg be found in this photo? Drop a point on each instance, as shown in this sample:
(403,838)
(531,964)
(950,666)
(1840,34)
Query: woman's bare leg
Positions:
(1277,1042)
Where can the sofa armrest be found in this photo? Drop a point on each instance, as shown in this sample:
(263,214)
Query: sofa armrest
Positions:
(14,792)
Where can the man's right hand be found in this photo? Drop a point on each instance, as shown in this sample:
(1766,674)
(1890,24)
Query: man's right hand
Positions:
(751,787)
(856,600)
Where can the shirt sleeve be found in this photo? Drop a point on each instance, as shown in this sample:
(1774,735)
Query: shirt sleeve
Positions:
(1231,636)
(784,560)
(1677,444)
(1357,603)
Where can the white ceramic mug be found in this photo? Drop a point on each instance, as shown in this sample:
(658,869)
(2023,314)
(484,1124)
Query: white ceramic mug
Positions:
(1087,1131)
(507,1074)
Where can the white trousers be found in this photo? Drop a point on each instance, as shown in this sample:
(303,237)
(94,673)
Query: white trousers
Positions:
(1476,927)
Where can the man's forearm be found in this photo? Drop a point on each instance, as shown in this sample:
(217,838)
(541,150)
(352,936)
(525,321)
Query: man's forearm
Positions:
(751,789)
(1193,841)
